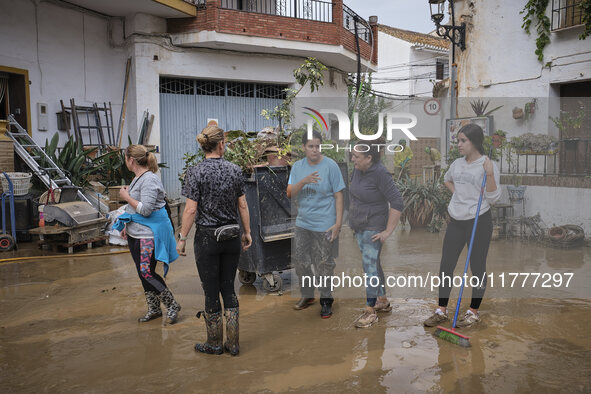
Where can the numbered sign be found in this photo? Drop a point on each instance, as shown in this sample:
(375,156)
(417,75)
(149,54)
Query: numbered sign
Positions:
(432,107)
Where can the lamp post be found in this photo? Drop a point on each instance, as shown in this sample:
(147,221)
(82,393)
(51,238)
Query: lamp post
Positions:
(457,36)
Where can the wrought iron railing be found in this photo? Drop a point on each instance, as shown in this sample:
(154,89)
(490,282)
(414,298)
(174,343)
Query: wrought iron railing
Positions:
(572,157)
(315,10)
(566,13)
(363,28)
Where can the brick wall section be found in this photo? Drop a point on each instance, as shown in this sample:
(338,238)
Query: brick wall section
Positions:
(551,180)
(213,18)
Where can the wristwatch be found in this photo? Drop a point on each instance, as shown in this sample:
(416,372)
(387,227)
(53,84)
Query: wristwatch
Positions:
(181,238)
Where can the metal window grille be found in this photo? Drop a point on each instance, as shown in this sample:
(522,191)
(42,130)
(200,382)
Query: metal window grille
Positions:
(210,88)
(177,85)
(566,13)
(241,89)
(204,87)
(271,91)
(316,10)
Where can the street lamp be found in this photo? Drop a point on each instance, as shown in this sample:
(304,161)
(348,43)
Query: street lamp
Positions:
(456,34)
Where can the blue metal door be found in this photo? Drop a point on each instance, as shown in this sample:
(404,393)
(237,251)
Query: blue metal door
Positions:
(187,104)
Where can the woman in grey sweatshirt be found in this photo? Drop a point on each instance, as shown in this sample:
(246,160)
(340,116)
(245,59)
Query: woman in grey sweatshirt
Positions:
(464,180)
(144,196)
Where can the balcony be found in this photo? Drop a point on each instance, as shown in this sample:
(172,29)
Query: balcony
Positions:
(303,28)
(160,8)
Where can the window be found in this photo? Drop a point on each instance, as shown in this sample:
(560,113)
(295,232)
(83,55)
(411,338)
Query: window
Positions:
(207,87)
(566,13)
(441,69)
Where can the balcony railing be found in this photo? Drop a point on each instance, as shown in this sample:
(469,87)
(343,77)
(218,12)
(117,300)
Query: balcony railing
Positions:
(571,157)
(566,13)
(315,10)
(363,28)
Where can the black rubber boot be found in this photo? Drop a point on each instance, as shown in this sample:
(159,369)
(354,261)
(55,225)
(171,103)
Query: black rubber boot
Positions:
(232,328)
(326,310)
(215,333)
(172,307)
(154,311)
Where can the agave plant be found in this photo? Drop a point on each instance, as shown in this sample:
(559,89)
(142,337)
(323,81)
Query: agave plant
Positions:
(72,159)
(479,107)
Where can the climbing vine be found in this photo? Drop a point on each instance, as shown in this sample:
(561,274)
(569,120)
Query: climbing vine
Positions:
(586,18)
(535,11)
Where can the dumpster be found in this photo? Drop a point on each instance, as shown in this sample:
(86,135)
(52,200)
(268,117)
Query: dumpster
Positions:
(272,227)
(272,224)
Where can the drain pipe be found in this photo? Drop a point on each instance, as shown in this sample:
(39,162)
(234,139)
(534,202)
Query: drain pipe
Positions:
(358,87)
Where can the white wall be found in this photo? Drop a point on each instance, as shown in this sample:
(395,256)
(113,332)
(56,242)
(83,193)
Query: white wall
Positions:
(393,58)
(67,54)
(399,59)
(200,63)
(499,60)
(556,205)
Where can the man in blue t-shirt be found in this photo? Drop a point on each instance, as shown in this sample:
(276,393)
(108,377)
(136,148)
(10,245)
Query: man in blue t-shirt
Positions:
(316,184)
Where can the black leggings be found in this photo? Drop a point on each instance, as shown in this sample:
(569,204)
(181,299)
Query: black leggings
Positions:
(142,252)
(456,237)
(217,263)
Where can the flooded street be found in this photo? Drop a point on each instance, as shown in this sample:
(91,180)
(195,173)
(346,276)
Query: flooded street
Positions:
(70,325)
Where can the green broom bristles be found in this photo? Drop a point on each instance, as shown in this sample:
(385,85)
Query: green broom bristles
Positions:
(455,339)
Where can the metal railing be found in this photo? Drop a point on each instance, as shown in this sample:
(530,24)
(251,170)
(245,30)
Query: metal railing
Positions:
(566,13)
(572,157)
(315,10)
(363,28)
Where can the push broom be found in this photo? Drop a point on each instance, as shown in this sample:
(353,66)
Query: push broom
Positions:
(451,335)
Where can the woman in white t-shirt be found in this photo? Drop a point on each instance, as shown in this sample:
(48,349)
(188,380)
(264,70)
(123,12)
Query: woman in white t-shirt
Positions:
(464,180)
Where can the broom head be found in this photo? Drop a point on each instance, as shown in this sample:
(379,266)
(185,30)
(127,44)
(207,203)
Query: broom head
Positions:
(450,335)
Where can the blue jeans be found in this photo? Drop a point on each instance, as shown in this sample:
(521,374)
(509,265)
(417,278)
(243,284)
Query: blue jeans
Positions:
(370,255)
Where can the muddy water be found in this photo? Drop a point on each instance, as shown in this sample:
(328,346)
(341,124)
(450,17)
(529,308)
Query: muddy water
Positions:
(69,325)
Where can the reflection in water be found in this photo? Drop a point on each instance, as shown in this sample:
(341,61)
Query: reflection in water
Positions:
(71,326)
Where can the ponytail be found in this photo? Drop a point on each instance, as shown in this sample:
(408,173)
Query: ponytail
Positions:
(143,157)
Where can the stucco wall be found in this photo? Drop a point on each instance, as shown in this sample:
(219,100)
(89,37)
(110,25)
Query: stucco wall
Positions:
(67,54)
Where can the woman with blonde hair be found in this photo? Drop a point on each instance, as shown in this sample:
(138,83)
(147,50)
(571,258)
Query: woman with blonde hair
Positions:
(148,230)
(215,197)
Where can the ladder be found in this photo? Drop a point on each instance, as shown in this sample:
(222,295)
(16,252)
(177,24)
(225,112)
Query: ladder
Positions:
(34,156)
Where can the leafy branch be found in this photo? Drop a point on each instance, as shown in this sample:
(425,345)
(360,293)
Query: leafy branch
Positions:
(535,11)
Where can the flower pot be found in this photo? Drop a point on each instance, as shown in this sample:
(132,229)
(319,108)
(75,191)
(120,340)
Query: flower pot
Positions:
(420,219)
(517,113)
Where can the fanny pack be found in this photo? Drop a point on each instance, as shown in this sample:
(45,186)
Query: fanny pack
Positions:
(227,232)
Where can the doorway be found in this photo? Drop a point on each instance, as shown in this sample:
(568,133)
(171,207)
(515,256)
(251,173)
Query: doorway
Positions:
(14,96)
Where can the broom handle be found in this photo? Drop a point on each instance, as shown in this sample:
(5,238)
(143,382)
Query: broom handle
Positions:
(469,250)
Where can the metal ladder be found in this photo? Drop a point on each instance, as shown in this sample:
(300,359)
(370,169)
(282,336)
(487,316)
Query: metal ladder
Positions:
(34,155)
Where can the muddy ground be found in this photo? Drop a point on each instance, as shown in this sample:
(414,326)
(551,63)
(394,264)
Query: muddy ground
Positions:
(70,325)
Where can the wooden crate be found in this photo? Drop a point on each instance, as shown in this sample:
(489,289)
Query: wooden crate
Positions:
(114,193)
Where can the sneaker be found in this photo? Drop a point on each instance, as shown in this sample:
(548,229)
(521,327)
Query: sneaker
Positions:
(303,303)
(367,319)
(326,311)
(382,307)
(437,318)
(469,319)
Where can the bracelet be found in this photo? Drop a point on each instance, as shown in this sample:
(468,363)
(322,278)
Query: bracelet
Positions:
(181,238)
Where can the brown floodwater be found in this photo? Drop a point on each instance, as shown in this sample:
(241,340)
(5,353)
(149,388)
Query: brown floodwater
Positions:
(70,325)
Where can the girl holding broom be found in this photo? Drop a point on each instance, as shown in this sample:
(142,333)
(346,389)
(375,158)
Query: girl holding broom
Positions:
(464,178)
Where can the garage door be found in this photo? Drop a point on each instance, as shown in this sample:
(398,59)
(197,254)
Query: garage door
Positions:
(187,104)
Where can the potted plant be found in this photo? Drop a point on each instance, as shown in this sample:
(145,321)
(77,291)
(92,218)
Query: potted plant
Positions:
(499,137)
(569,123)
(535,144)
(425,204)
